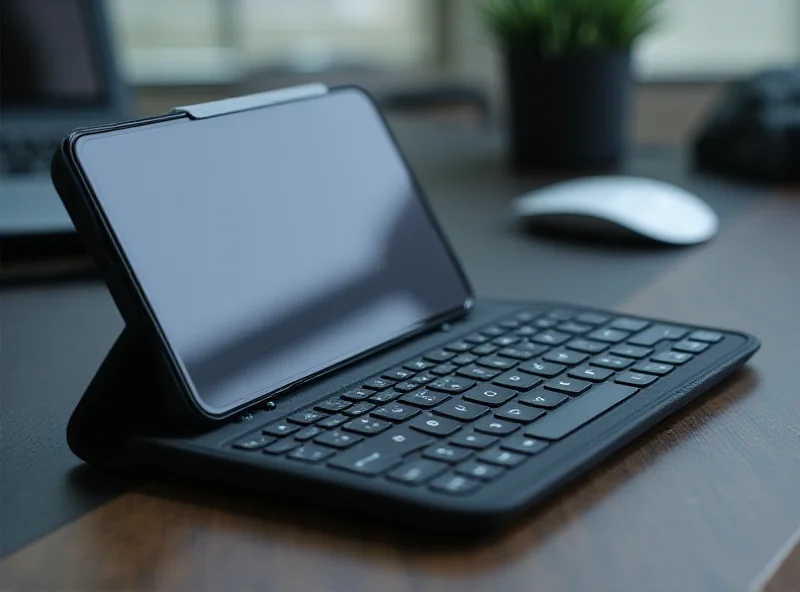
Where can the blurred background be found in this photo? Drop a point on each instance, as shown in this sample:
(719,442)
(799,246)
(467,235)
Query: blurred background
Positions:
(174,51)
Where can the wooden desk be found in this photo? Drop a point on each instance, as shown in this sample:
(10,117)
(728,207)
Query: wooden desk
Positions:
(702,502)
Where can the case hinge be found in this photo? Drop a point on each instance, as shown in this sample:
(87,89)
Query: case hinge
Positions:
(254,101)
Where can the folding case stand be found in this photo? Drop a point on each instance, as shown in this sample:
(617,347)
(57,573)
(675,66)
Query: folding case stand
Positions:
(128,391)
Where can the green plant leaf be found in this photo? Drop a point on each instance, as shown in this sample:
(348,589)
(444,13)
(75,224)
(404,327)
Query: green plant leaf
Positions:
(556,27)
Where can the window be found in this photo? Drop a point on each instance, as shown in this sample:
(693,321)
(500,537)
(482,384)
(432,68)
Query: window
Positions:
(218,40)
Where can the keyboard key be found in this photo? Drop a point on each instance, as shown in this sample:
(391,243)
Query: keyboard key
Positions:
(306,417)
(693,347)
(560,315)
(473,440)
(458,346)
(591,373)
(587,346)
(358,394)
(494,331)
(418,365)
(526,331)
(398,374)
(395,412)
(635,379)
(378,384)
(493,396)
(592,318)
(566,357)
(307,433)
(435,426)
(478,372)
(406,387)
(452,385)
(544,399)
(424,398)
(545,323)
(510,323)
(707,336)
(519,381)
(534,348)
(280,428)
(573,327)
(497,363)
(333,421)
(672,357)
(551,337)
(503,458)
(523,444)
(569,386)
(656,333)
(463,359)
(439,356)
(565,420)
(332,405)
(479,470)
(484,349)
(377,455)
(516,353)
(505,340)
(384,397)
(359,409)
(653,368)
(443,370)
(253,442)
(629,324)
(338,439)
(423,378)
(631,351)
(612,362)
(446,453)
(518,413)
(495,427)
(454,484)
(282,446)
(461,410)
(526,316)
(366,426)
(546,369)
(609,335)
(416,472)
(311,453)
(476,338)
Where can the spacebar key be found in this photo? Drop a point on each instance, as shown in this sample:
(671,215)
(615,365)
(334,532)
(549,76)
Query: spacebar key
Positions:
(381,453)
(580,411)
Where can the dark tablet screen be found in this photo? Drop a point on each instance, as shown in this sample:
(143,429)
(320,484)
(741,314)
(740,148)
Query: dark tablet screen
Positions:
(272,244)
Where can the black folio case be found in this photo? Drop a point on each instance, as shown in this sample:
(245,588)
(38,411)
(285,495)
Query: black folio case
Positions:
(131,418)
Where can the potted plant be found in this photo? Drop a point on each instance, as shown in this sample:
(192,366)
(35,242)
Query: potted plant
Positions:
(568,75)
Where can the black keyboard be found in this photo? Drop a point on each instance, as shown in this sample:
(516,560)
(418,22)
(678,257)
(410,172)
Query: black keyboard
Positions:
(457,418)
(26,156)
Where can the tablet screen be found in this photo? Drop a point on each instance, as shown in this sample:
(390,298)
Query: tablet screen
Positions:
(272,244)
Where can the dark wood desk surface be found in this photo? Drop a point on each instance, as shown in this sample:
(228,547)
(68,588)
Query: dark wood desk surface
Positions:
(703,502)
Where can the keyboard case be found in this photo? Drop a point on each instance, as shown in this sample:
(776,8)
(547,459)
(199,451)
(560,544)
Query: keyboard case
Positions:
(131,416)
(114,426)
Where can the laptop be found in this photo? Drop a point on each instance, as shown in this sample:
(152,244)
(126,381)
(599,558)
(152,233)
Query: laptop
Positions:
(297,325)
(58,72)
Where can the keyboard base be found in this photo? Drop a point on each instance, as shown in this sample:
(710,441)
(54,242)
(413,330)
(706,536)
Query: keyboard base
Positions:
(438,476)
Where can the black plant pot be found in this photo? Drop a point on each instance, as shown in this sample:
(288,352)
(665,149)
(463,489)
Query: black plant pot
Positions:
(569,112)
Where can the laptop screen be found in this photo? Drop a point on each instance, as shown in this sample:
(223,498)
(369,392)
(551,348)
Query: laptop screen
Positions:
(49,57)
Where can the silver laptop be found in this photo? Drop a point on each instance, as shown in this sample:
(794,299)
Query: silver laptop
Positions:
(57,73)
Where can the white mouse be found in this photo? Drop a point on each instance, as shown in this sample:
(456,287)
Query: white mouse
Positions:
(621,206)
